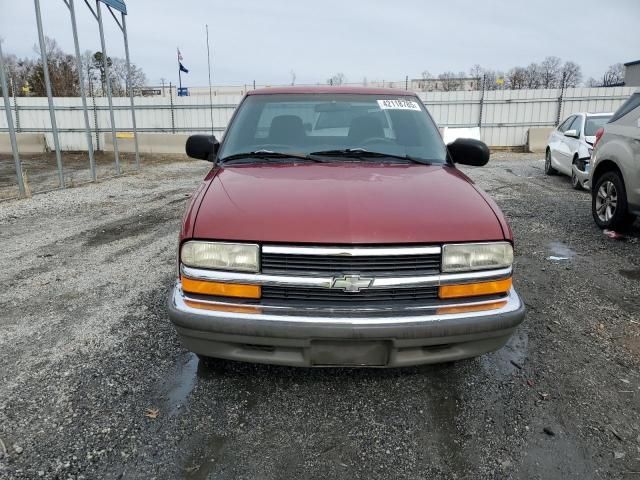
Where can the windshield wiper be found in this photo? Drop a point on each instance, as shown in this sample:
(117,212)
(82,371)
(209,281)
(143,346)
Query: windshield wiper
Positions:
(364,153)
(267,155)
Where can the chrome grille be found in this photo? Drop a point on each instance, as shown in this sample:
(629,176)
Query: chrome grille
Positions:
(373,263)
(375,296)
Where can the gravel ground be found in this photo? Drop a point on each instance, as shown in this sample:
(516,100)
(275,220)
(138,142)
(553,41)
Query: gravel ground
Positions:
(41,172)
(94,384)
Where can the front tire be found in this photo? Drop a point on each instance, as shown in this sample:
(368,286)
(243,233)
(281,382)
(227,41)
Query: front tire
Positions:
(609,202)
(575,182)
(548,169)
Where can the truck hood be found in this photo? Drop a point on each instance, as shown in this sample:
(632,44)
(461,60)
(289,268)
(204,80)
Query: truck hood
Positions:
(346,203)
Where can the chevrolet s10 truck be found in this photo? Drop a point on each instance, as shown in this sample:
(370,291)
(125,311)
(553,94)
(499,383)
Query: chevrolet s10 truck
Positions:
(334,229)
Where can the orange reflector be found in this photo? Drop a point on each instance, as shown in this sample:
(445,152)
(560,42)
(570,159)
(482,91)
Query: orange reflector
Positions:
(221,289)
(471,308)
(475,289)
(223,308)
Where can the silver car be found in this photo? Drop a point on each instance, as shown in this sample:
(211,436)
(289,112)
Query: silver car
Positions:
(570,145)
(615,172)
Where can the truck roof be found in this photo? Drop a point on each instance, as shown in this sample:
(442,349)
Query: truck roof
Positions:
(330,89)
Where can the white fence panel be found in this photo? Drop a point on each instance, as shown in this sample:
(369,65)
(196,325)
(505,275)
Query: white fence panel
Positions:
(504,116)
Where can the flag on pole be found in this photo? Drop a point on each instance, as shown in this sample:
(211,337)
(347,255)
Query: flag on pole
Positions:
(182,67)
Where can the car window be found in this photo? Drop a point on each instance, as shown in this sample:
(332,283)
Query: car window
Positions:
(593,124)
(343,118)
(576,124)
(306,123)
(632,103)
(565,125)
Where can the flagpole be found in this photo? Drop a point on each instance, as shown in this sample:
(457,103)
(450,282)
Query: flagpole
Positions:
(179,74)
(209,64)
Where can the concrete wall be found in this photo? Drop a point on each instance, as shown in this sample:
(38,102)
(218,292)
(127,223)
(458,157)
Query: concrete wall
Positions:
(158,143)
(27,143)
(537,139)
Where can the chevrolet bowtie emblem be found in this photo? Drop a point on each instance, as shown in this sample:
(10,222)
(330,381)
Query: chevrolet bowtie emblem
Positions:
(351,283)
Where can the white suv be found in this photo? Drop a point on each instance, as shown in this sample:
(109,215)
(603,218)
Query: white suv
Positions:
(570,145)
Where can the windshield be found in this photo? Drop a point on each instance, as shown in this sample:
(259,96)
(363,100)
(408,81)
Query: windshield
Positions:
(593,124)
(315,123)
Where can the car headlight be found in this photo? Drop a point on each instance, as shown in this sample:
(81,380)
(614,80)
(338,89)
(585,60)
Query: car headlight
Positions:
(465,257)
(221,256)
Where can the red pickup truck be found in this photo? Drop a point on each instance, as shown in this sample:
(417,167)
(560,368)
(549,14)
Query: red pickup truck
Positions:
(334,229)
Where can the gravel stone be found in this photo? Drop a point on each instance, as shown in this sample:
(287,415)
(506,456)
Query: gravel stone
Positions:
(86,347)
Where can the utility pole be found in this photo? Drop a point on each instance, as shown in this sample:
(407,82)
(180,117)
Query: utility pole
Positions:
(162,80)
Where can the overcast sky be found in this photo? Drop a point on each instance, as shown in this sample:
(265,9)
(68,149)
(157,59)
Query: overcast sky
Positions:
(267,39)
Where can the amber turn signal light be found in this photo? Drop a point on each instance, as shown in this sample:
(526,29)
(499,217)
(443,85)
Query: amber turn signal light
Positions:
(475,289)
(223,308)
(471,308)
(202,287)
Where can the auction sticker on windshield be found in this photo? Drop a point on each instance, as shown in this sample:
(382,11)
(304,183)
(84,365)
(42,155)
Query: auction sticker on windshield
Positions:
(398,104)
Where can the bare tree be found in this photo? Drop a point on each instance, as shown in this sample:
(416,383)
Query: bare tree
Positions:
(476,71)
(62,71)
(19,71)
(516,78)
(449,81)
(614,75)
(592,82)
(533,76)
(337,79)
(27,75)
(572,74)
(491,79)
(550,72)
(426,75)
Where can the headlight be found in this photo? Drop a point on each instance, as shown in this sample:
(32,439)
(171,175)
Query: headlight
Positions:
(464,257)
(221,256)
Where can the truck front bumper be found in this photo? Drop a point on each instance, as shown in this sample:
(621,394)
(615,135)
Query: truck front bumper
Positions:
(316,339)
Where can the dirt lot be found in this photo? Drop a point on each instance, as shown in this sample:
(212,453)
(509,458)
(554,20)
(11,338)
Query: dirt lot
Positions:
(41,172)
(93,383)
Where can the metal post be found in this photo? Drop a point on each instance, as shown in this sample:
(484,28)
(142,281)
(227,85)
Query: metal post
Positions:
(95,112)
(173,120)
(47,84)
(406,82)
(484,81)
(108,83)
(560,99)
(254,84)
(130,88)
(15,104)
(83,93)
(12,132)
(209,65)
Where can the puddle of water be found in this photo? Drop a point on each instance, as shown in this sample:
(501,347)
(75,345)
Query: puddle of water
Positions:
(200,467)
(559,249)
(182,385)
(505,361)
(631,274)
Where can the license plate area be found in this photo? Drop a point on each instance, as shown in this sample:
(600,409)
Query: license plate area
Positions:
(330,353)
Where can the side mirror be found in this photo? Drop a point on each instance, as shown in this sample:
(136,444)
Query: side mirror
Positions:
(571,133)
(469,151)
(202,147)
